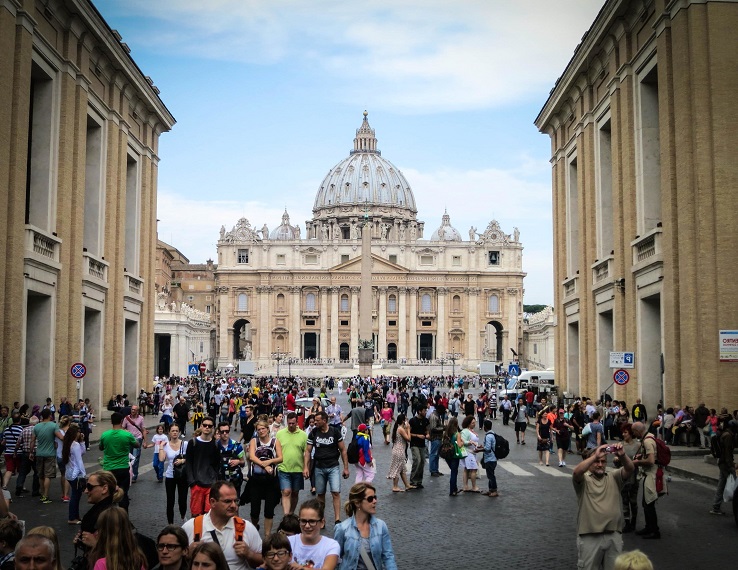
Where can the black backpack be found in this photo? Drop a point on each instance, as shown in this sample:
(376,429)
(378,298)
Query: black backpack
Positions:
(352,451)
(502,447)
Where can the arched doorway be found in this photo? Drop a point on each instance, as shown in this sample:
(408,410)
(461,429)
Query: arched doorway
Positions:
(310,345)
(242,349)
(425,351)
(392,351)
(343,351)
(493,341)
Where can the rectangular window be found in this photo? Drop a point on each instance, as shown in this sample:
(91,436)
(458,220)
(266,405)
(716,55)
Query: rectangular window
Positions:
(201,347)
(493,257)
(393,259)
(311,259)
(344,323)
(426,260)
(281,259)
(392,323)
(243,302)
(243,256)
(207,309)
(535,349)
(456,260)
(392,304)
(309,322)
(425,323)
(344,258)
(208,297)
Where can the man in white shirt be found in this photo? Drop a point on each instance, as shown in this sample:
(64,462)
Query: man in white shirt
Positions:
(220,525)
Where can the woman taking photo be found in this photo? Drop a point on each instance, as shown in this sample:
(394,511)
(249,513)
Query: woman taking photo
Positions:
(265,453)
(453,435)
(171,546)
(74,472)
(363,537)
(175,480)
(116,547)
(309,548)
(471,446)
(398,464)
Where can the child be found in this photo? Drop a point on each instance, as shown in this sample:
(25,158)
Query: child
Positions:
(157,441)
(277,552)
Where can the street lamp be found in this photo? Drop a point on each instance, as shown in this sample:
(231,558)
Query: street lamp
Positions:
(278,356)
(453,357)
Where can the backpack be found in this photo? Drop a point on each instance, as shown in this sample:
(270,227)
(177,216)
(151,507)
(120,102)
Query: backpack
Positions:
(663,452)
(502,447)
(352,451)
(447,450)
(716,449)
(238,523)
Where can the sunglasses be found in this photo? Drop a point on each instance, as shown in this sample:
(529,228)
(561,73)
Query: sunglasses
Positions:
(371,498)
(208,425)
(90,486)
(162,546)
(224,431)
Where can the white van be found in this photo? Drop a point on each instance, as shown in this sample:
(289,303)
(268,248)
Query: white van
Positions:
(538,380)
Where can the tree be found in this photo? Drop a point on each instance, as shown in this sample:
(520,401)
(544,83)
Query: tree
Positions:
(531,309)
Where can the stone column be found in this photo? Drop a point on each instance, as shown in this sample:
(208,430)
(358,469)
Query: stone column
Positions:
(354,348)
(402,322)
(441,295)
(295,319)
(263,296)
(335,352)
(472,321)
(323,350)
(412,335)
(382,319)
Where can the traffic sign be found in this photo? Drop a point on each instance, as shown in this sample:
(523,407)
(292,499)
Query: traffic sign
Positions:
(621,377)
(513,369)
(622,360)
(203,367)
(78,370)
(193,370)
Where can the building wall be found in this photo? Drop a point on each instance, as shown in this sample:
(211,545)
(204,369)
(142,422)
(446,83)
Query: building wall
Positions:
(79,130)
(643,136)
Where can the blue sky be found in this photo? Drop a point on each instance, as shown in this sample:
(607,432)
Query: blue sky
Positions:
(268,94)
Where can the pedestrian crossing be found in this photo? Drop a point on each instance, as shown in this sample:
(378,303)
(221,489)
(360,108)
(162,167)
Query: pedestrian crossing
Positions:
(517,469)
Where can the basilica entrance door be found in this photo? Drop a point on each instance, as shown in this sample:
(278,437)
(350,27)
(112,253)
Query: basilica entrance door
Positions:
(392,351)
(310,345)
(344,351)
(426,347)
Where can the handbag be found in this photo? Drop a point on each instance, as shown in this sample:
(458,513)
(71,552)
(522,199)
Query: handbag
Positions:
(79,562)
(587,430)
(81,483)
(447,451)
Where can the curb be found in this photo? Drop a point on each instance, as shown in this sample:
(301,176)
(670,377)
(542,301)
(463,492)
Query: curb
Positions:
(691,475)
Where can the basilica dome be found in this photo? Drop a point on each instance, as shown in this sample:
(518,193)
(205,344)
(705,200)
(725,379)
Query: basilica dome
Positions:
(285,231)
(365,180)
(446,232)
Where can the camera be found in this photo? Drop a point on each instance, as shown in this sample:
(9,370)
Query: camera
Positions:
(610,449)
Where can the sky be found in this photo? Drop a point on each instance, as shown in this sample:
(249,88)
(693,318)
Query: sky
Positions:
(268,94)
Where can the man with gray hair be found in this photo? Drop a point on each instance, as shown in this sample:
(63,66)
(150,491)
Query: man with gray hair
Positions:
(35,552)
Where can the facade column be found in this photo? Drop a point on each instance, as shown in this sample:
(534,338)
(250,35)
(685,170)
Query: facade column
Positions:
(335,351)
(472,322)
(441,295)
(263,295)
(412,336)
(354,348)
(295,333)
(402,322)
(323,350)
(382,318)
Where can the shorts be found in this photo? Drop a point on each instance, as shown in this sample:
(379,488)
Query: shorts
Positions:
(46,467)
(520,426)
(12,463)
(327,478)
(199,500)
(294,481)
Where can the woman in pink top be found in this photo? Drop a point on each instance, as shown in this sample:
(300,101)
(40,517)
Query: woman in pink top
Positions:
(387,416)
(116,547)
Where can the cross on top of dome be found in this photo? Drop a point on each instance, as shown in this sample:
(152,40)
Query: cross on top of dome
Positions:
(365,140)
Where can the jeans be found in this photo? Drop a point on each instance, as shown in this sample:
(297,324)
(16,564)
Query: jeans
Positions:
(725,472)
(454,466)
(416,472)
(136,452)
(76,495)
(159,467)
(435,447)
(490,467)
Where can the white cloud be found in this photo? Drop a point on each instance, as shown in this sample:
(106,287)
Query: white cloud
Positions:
(414,55)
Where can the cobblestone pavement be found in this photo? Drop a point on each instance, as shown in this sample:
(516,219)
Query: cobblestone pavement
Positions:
(531,524)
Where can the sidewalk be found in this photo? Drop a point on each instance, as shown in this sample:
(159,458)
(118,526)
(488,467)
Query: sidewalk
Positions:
(694,467)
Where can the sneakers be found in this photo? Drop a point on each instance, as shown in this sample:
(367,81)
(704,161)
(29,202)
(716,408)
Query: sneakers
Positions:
(65,499)
(45,500)
(716,512)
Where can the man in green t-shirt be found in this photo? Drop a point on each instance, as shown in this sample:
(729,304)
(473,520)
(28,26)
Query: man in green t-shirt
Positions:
(43,452)
(116,444)
(293,441)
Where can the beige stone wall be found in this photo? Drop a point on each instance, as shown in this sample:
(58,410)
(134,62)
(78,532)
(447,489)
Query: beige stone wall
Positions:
(88,67)
(670,284)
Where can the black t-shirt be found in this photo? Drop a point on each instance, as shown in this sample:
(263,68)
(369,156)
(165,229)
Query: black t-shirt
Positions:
(418,425)
(325,445)
(181,412)
(469,407)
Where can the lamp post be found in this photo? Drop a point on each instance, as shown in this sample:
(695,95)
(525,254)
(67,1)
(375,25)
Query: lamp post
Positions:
(278,356)
(453,357)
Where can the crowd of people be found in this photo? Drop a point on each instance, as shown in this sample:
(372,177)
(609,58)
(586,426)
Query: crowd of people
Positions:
(292,435)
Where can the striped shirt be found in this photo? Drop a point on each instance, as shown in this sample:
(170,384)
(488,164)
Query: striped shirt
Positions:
(11,436)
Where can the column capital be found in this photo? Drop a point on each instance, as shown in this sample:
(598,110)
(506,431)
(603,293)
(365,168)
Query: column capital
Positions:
(295,289)
(382,289)
(441,290)
(413,290)
(473,291)
(334,289)
(323,290)
(402,290)
(512,291)
(355,290)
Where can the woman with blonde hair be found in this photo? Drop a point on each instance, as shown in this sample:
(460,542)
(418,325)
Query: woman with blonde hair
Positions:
(50,533)
(102,492)
(116,547)
(364,537)
(64,423)
(633,560)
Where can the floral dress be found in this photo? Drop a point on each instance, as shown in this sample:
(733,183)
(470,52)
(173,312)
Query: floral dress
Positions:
(399,460)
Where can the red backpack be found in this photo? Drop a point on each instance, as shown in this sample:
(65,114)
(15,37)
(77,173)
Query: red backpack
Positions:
(663,452)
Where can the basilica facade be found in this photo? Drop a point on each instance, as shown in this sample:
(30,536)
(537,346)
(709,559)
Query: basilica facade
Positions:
(292,294)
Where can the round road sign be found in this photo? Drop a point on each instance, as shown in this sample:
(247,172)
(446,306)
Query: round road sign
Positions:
(621,377)
(78,370)
(203,367)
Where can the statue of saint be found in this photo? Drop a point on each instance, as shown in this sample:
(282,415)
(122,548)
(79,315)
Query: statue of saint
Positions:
(516,234)
(222,232)
(297,232)
(324,231)
(402,233)
(264,232)
(413,232)
(472,234)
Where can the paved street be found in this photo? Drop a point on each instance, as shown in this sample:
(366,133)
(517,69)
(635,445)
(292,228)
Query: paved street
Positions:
(531,524)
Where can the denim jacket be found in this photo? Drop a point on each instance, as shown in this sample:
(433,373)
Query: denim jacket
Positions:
(348,536)
(489,447)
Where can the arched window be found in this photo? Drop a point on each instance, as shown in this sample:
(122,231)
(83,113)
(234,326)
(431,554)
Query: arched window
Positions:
(243,302)
(493,304)
(310,302)
(425,303)
(456,303)
(280,302)
(392,304)
(344,303)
